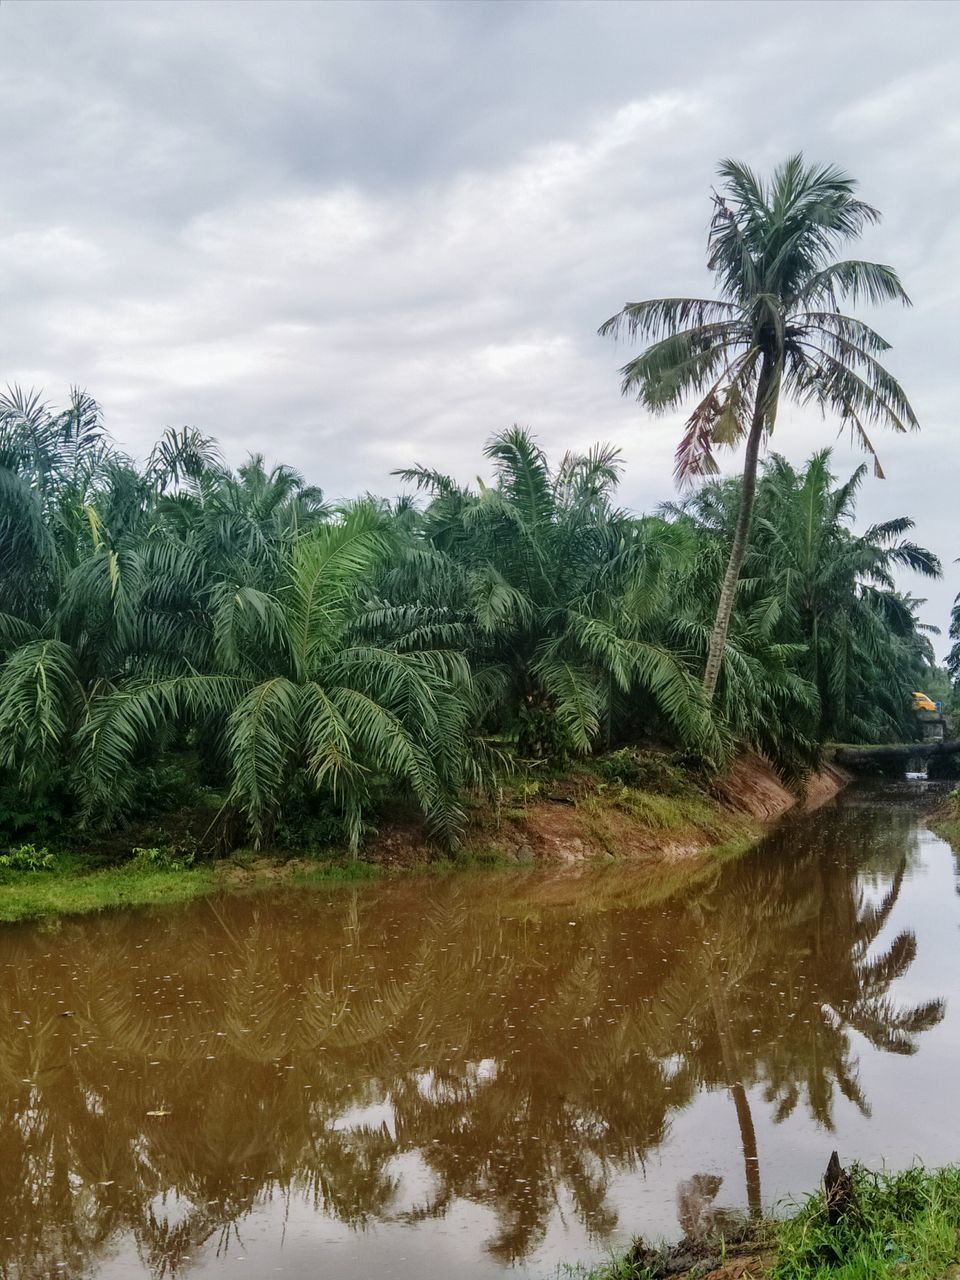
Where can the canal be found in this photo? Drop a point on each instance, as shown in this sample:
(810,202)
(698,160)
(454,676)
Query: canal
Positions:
(477,1074)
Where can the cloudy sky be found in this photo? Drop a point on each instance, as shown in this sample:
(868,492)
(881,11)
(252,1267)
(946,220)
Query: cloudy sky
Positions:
(355,236)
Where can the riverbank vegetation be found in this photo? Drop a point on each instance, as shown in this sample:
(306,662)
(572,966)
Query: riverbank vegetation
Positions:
(229,646)
(904,1224)
(945,821)
(627,803)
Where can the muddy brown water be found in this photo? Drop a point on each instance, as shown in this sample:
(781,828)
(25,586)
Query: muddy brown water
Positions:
(466,1075)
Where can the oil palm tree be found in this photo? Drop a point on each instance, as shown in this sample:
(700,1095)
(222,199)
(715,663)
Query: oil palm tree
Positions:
(953,658)
(558,595)
(85,587)
(52,463)
(824,598)
(297,696)
(247,519)
(774,330)
(864,648)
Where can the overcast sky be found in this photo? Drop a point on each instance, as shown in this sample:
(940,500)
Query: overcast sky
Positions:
(356,236)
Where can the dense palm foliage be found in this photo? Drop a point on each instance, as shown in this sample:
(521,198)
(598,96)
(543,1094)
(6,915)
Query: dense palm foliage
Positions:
(953,657)
(563,598)
(774,330)
(306,659)
(291,691)
(825,594)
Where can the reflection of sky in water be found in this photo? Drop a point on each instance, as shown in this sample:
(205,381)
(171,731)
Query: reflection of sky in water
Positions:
(445,1130)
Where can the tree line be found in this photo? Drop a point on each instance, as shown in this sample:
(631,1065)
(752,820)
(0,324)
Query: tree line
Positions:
(312,656)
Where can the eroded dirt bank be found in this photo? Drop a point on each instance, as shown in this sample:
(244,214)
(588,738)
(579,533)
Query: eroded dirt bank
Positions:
(581,822)
(592,815)
(634,806)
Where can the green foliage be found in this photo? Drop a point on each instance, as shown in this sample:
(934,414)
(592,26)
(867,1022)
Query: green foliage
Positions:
(189,637)
(310,826)
(38,811)
(642,770)
(776,328)
(953,657)
(164,787)
(907,1225)
(775,331)
(674,812)
(561,600)
(162,858)
(822,646)
(27,857)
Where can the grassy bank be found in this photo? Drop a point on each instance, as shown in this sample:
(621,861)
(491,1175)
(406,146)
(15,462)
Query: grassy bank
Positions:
(632,805)
(74,884)
(901,1225)
(946,820)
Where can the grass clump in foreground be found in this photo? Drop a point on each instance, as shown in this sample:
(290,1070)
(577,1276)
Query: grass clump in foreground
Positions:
(904,1225)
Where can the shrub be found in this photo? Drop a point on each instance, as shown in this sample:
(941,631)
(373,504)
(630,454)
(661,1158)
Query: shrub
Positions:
(642,771)
(162,858)
(27,857)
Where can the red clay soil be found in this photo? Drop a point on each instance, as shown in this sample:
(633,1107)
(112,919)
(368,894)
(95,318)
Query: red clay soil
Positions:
(750,795)
(752,786)
(823,786)
(579,826)
(573,828)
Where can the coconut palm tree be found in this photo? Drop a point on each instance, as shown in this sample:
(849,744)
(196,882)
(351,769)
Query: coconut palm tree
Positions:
(774,330)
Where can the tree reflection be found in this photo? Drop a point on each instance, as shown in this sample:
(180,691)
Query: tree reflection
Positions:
(779,970)
(518,1044)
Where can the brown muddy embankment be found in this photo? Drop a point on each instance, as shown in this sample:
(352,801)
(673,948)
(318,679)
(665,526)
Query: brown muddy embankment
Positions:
(634,806)
(583,817)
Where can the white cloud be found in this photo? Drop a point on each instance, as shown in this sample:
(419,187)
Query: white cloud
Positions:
(356,236)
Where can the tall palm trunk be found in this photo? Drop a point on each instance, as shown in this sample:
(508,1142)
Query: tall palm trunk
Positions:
(748,1144)
(762,419)
(741,1103)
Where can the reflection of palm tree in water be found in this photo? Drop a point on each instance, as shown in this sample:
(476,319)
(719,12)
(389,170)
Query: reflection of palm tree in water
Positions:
(698,1214)
(797,1042)
(578,1026)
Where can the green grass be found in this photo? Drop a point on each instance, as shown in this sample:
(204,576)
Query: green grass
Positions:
(908,1228)
(946,821)
(948,829)
(73,887)
(672,813)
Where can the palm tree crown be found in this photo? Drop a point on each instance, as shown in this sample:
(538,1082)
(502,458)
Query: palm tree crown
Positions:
(775,329)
